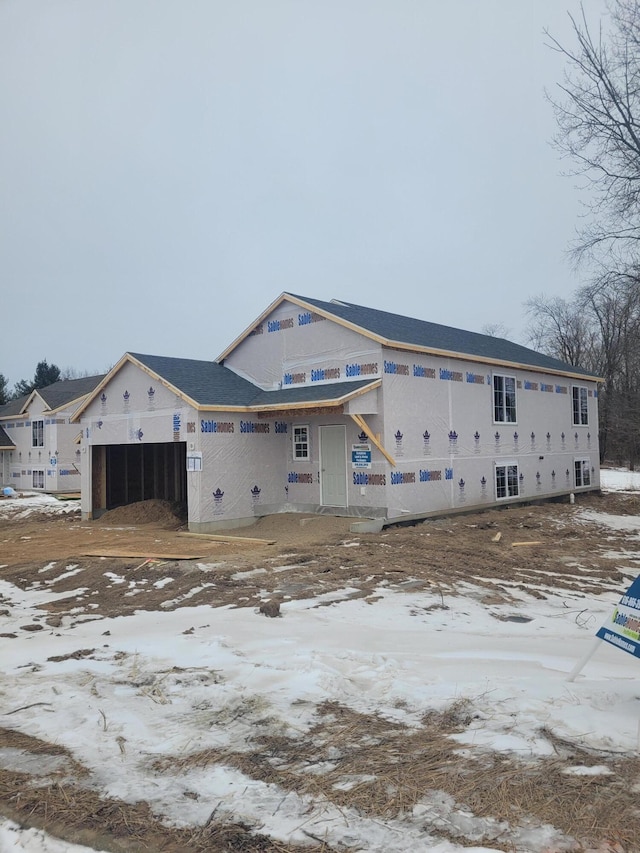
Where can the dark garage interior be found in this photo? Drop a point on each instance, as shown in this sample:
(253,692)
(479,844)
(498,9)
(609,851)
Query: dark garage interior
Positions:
(127,473)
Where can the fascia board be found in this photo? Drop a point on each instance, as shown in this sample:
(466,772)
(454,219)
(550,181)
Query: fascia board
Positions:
(496,362)
(71,404)
(99,387)
(159,378)
(305,404)
(250,328)
(127,358)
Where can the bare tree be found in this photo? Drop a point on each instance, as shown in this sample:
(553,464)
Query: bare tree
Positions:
(599,329)
(561,328)
(495,330)
(614,303)
(598,116)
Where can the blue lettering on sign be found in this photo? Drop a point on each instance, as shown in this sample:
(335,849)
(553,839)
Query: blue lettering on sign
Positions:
(448,473)
(352,370)
(281,426)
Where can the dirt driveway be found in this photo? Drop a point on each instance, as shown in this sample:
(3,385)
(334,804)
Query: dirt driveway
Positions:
(144,542)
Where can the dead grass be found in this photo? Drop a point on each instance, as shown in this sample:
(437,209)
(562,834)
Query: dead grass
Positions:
(383,769)
(81,816)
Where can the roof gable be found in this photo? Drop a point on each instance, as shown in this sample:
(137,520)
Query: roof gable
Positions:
(396,330)
(58,395)
(209,385)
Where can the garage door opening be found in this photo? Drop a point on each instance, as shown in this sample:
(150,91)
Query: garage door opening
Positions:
(127,473)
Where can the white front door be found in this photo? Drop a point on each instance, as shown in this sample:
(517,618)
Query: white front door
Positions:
(333,466)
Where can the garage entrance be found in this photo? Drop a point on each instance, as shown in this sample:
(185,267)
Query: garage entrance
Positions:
(126,473)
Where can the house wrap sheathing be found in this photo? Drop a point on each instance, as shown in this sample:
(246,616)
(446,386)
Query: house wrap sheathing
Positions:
(39,445)
(337,408)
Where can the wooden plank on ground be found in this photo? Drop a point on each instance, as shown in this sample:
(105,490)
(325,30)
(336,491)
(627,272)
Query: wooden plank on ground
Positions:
(518,544)
(214,537)
(143,555)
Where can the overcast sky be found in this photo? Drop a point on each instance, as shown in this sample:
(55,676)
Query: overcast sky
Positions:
(167,169)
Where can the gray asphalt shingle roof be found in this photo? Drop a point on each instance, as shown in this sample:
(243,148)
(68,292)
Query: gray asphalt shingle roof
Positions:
(5,441)
(309,393)
(67,390)
(205,382)
(56,395)
(422,333)
(13,407)
(211,384)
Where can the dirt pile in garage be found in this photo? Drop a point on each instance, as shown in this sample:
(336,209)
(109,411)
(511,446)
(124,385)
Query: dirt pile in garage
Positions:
(164,514)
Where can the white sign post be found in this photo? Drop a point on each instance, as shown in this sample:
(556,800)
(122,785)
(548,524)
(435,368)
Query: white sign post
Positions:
(622,629)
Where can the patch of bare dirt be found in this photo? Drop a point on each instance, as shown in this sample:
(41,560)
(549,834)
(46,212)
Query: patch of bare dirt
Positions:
(498,551)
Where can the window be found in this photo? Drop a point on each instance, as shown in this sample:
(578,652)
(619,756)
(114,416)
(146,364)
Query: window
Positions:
(38,478)
(579,398)
(582,472)
(301,443)
(507,481)
(37,433)
(504,399)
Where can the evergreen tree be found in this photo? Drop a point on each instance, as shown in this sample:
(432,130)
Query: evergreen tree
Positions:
(46,374)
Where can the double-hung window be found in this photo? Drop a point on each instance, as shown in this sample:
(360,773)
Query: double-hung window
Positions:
(301,443)
(579,399)
(582,472)
(37,434)
(504,399)
(507,483)
(37,479)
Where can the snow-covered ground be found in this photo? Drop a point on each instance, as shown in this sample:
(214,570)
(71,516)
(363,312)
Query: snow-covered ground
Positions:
(129,705)
(619,480)
(28,504)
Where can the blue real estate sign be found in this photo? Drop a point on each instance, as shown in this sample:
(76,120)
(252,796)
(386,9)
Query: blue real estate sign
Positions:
(361,455)
(623,628)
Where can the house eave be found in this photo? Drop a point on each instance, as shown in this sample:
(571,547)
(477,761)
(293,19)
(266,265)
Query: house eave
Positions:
(399,345)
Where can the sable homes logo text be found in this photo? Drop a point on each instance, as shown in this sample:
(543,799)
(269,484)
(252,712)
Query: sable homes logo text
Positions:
(279,325)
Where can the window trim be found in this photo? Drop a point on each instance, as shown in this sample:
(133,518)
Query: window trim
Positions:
(37,433)
(307,443)
(511,463)
(495,391)
(577,411)
(581,461)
